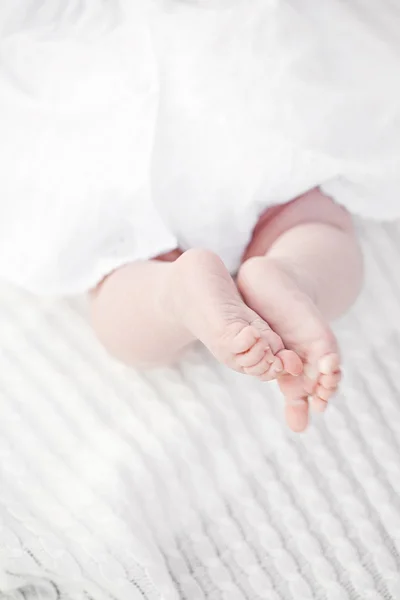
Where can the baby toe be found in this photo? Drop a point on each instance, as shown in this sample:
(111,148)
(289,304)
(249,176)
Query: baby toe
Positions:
(254,355)
(324,390)
(311,377)
(296,413)
(324,393)
(257,370)
(244,340)
(330,382)
(319,405)
(292,363)
(329,364)
(264,370)
(273,371)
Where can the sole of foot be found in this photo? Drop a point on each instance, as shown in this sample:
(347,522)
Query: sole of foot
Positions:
(209,305)
(277,293)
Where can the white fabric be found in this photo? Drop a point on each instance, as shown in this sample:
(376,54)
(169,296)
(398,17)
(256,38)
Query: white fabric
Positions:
(184,483)
(131,126)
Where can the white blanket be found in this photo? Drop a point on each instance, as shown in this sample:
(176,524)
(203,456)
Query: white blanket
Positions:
(184,483)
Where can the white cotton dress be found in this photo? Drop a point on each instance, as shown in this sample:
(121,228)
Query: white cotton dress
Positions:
(131,127)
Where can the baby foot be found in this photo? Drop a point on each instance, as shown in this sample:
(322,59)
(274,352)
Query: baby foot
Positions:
(276,293)
(207,301)
(250,346)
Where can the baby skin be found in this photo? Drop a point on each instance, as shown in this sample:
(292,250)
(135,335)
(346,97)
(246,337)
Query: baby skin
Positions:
(301,270)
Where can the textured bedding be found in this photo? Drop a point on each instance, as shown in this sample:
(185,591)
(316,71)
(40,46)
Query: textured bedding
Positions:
(184,483)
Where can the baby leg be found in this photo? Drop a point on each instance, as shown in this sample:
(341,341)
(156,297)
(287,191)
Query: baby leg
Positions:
(147,312)
(303,269)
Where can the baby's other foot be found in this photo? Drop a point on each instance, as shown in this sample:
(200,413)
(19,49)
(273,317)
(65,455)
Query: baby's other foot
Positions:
(210,306)
(276,293)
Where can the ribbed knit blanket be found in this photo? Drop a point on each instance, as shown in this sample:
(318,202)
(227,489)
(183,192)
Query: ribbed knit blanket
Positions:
(184,483)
